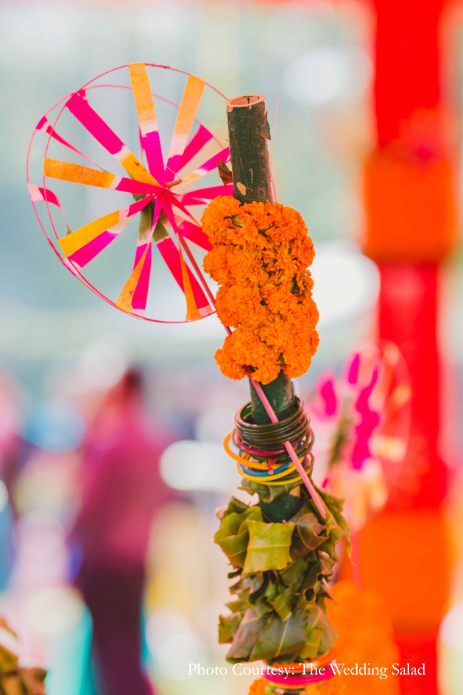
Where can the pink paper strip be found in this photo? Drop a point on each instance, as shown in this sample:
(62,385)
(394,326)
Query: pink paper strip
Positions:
(76,173)
(171,256)
(175,201)
(197,142)
(192,229)
(140,294)
(204,195)
(45,126)
(88,252)
(147,119)
(92,248)
(136,187)
(205,168)
(202,303)
(95,125)
(39,194)
(193,233)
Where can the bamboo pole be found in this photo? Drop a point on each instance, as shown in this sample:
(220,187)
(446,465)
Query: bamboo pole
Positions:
(249,133)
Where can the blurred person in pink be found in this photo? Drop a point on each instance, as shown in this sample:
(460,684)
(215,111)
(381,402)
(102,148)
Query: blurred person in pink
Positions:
(121,492)
(12,448)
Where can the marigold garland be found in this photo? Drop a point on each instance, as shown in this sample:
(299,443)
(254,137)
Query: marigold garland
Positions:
(260,256)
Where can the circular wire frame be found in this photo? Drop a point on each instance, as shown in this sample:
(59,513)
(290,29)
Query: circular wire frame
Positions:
(68,263)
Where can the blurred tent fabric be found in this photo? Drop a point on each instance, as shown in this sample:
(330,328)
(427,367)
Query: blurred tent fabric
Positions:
(366,144)
(410,203)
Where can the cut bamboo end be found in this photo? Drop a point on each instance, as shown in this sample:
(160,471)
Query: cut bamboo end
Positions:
(246,100)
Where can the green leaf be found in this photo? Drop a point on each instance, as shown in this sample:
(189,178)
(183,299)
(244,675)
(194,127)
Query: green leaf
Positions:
(331,501)
(233,545)
(335,505)
(290,584)
(242,585)
(271,591)
(282,508)
(309,534)
(246,637)
(233,535)
(282,603)
(261,608)
(312,646)
(235,506)
(280,638)
(258,587)
(228,627)
(317,618)
(344,526)
(238,606)
(330,549)
(326,566)
(267,493)
(254,514)
(268,547)
(313,576)
(295,572)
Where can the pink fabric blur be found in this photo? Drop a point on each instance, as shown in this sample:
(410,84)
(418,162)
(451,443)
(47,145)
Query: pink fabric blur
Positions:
(122,488)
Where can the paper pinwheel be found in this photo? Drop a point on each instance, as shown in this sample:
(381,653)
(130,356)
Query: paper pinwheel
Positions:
(164,193)
(362,420)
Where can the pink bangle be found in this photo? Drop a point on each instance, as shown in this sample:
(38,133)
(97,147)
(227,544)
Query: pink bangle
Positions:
(299,681)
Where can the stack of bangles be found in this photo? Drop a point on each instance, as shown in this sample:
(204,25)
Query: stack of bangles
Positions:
(263,458)
(297,678)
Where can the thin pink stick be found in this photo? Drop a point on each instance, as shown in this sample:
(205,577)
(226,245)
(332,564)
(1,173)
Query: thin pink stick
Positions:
(289,448)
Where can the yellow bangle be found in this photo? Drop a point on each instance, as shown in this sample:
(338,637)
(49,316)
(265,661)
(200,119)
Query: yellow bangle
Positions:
(275,476)
(241,459)
(248,460)
(265,480)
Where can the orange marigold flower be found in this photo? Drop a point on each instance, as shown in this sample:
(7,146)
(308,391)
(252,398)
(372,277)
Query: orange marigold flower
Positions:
(279,298)
(216,265)
(240,304)
(245,266)
(258,687)
(297,356)
(260,258)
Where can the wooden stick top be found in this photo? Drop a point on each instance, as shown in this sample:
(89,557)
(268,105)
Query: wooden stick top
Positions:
(249,132)
(244,100)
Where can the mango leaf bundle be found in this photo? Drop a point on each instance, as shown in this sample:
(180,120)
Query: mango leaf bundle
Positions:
(281,573)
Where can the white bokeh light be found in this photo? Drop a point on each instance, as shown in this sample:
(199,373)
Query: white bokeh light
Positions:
(102,364)
(451,629)
(191,465)
(3,496)
(346,283)
(173,643)
(328,73)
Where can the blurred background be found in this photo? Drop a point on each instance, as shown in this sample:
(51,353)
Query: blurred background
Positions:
(64,353)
